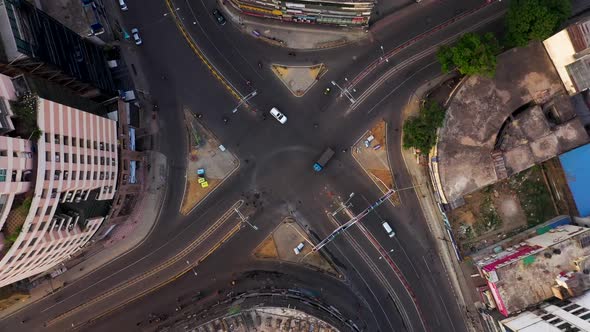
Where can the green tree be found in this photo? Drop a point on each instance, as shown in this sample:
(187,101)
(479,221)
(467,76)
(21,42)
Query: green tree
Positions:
(471,55)
(534,19)
(420,131)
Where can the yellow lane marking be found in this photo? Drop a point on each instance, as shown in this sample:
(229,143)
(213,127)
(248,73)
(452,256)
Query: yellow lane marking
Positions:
(204,236)
(227,236)
(200,54)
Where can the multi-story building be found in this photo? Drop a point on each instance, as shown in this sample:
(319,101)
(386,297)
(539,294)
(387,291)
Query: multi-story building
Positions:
(332,12)
(553,263)
(68,156)
(553,316)
(35,43)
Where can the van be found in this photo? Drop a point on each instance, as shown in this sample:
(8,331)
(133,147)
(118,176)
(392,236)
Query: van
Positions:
(123,5)
(388,229)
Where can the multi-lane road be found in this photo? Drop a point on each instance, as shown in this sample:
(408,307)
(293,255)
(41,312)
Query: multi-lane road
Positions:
(385,284)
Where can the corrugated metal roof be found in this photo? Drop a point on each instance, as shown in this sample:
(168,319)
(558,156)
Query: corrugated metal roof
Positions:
(576,163)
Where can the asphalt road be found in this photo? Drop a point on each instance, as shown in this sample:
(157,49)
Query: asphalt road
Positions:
(412,294)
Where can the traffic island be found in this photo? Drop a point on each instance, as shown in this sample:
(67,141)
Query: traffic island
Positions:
(299,79)
(208,164)
(370,152)
(281,243)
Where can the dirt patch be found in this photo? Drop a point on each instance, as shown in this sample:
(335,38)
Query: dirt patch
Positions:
(501,210)
(195,193)
(281,242)
(267,249)
(206,156)
(383,175)
(370,151)
(298,79)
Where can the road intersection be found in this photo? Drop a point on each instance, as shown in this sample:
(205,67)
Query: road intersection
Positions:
(408,290)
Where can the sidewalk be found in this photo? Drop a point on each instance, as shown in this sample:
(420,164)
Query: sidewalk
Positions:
(292,35)
(460,285)
(134,231)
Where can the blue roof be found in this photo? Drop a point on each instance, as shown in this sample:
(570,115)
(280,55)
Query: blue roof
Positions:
(576,164)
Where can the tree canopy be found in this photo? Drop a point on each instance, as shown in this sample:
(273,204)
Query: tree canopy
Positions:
(535,19)
(420,131)
(471,55)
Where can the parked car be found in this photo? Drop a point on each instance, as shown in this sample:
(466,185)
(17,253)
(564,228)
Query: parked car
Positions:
(298,249)
(136,38)
(388,229)
(123,5)
(219,17)
(278,115)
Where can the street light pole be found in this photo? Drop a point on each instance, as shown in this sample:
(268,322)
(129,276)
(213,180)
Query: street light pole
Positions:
(244,219)
(244,100)
(383,56)
(192,268)
(343,205)
(344,92)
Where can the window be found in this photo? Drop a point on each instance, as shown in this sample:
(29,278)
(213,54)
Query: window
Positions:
(89,160)
(87,175)
(47,156)
(108,161)
(66,173)
(47,138)
(102,160)
(81,143)
(74,175)
(95,145)
(33,241)
(95,160)
(585,241)
(47,175)
(74,158)
(32,253)
(2,175)
(66,140)
(56,138)
(81,159)
(81,177)
(21,257)
(3,153)
(94,176)
(42,226)
(74,140)
(66,157)
(112,147)
(57,156)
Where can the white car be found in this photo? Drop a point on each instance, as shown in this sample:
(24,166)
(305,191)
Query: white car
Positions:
(278,115)
(298,249)
(136,38)
(123,5)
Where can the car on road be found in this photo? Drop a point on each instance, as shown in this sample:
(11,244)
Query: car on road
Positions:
(278,115)
(219,17)
(136,38)
(388,229)
(123,5)
(298,249)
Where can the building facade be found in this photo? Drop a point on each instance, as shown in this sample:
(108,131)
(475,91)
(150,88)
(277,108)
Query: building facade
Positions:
(37,44)
(74,157)
(331,12)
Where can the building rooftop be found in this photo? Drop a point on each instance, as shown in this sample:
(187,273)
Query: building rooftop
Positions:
(568,49)
(507,116)
(554,317)
(535,269)
(575,164)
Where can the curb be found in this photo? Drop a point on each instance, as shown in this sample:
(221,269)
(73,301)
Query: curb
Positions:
(209,132)
(441,250)
(369,174)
